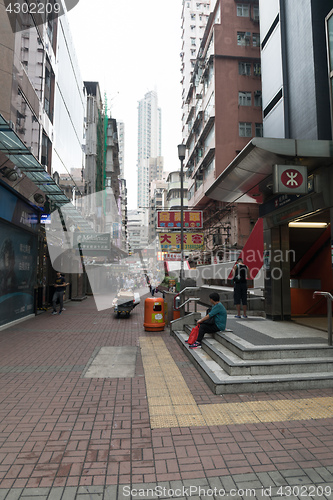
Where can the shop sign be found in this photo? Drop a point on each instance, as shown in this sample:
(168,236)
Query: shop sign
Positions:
(172,219)
(16,211)
(172,256)
(171,242)
(18,258)
(290,179)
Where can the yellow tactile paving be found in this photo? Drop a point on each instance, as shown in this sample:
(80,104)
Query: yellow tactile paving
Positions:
(191,421)
(162,410)
(162,401)
(171,403)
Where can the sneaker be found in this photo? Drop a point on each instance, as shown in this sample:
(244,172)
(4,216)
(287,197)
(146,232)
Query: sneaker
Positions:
(63,309)
(186,341)
(244,316)
(237,316)
(196,345)
(60,312)
(54,312)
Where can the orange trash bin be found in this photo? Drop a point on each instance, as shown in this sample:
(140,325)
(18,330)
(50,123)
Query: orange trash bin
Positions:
(154,320)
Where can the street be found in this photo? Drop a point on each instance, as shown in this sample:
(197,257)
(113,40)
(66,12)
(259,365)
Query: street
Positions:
(68,435)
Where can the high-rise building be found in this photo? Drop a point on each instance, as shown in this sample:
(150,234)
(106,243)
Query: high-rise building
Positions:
(121,144)
(149,142)
(42,109)
(329,34)
(195,15)
(222,113)
(296,153)
(294,62)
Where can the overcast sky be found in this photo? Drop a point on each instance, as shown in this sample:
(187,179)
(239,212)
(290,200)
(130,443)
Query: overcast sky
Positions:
(131,47)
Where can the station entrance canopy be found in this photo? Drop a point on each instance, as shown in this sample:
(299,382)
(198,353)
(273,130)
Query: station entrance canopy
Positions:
(246,178)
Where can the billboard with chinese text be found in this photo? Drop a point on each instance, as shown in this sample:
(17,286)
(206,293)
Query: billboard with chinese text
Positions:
(171,242)
(171,219)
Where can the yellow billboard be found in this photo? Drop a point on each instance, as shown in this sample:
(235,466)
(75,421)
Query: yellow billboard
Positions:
(171,242)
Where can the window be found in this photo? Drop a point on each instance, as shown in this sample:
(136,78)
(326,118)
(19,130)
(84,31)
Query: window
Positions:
(244,98)
(244,68)
(256,12)
(245,129)
(46,152)
(259,130)
(193,41)
(257,98)
(243,10)
(255,39)
(257,69)
(198,181)
(193,17)
(243,38)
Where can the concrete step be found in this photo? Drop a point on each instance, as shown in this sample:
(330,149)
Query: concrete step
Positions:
(247,351)
(224,372)
(234,365)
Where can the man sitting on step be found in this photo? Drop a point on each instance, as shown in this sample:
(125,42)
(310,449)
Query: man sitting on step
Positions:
(214,321)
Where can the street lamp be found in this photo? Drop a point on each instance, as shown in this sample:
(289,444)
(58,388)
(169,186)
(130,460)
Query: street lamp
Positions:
(181,156)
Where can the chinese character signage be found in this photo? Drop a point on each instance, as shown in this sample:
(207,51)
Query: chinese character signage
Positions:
(171,219)
(290,179)
(171,242)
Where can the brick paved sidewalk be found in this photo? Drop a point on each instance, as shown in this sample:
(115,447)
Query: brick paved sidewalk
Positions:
(65,436)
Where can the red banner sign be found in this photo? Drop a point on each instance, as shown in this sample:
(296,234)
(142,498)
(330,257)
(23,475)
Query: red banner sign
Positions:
(171,219)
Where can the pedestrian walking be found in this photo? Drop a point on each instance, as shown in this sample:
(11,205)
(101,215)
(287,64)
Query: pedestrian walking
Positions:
(214,321)
(240,273)
(60,286)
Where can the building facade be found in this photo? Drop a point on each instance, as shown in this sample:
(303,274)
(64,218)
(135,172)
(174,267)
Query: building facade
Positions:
(223,112)
(194,18)
(42,109)
(329,36)
(137,231)
(149,142)
(173,194)
(289,171)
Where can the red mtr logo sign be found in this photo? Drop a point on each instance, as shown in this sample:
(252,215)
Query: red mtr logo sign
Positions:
(290,179)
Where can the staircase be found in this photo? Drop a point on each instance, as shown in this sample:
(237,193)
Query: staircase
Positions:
(255,362)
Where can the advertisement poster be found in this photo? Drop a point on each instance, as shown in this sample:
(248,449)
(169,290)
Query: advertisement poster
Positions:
(18,258)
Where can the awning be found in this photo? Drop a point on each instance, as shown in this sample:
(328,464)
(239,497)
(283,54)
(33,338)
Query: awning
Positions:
(174,265)
(14,151)
(253,251)
(242,179)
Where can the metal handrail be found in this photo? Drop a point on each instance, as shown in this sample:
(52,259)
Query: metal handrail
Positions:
(329,298)
(189,288)
(191,299)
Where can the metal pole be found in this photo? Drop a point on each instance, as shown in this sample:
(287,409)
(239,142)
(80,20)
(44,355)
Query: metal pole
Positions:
(329,320)
(181,224)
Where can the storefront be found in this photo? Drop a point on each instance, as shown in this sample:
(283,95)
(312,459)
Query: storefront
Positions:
(18,256)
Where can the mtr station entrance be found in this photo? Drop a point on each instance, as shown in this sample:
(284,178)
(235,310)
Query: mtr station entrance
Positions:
(297,223)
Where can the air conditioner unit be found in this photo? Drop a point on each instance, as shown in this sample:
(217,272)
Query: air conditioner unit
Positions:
(217,239)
